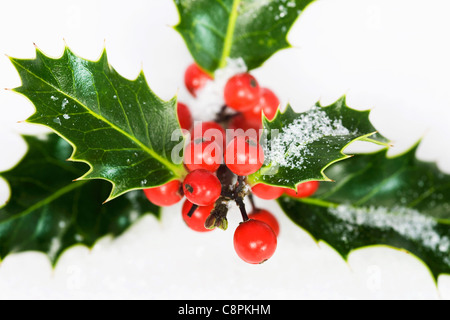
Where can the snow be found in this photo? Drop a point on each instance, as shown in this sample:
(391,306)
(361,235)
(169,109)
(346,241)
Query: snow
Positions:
(65,102)
(407,222)
(57,120)
(290,147)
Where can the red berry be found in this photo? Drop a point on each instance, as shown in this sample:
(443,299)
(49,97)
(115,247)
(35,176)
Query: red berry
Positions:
(267,192)
(254,241)
(241,122)
(239,126)
(266,217)
(244,156)
(242,92)
(209,131)
(165,195)
(304,190)
(195,79)
(268,103)
(202,187)
(201,154)
(197,221)
(184,116)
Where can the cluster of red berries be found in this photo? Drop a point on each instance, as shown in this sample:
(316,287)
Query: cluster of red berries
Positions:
(219,164)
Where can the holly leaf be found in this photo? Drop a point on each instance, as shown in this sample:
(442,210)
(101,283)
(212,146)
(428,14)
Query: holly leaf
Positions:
(215,30)
(400,202)
(298,147)
(48,212)
(117,126)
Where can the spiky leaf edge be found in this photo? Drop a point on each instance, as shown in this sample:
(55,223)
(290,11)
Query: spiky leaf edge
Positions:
(103,57)
(346,256)
(54,262)
(365,138)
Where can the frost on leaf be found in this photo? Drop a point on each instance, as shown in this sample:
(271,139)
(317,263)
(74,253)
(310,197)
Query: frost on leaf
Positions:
(408,223)
(291,147)
(298,147)
(400,202)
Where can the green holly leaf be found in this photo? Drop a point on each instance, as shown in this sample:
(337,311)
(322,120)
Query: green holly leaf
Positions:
(399,202)
(48,212)
(215,30)
(117,126)
(298,147)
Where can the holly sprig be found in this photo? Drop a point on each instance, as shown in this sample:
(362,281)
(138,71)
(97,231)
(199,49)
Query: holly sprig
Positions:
(124,132)
(120,131)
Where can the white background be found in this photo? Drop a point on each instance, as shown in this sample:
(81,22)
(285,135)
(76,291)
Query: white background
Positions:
(389,55)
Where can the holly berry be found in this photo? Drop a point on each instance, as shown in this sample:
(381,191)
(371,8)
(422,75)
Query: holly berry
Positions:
(254,241)
(197,221)
(209,131)
(244,156)
(165,195)
(267,192)
(241,122)
(242,92)
(268,103)
(202,187)
(304,190)
(201,154)
(266,217)
(239,125)
(184,116)
(195,79)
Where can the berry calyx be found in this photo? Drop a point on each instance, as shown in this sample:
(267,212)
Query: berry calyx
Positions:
(201,187)
(201,154)
(242,92)
(197,221)
(267,192)
(244,156)
(165,195)
(304,190)
(254,241)
(268,103)
(184,116)
(195,79)
(266,217)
